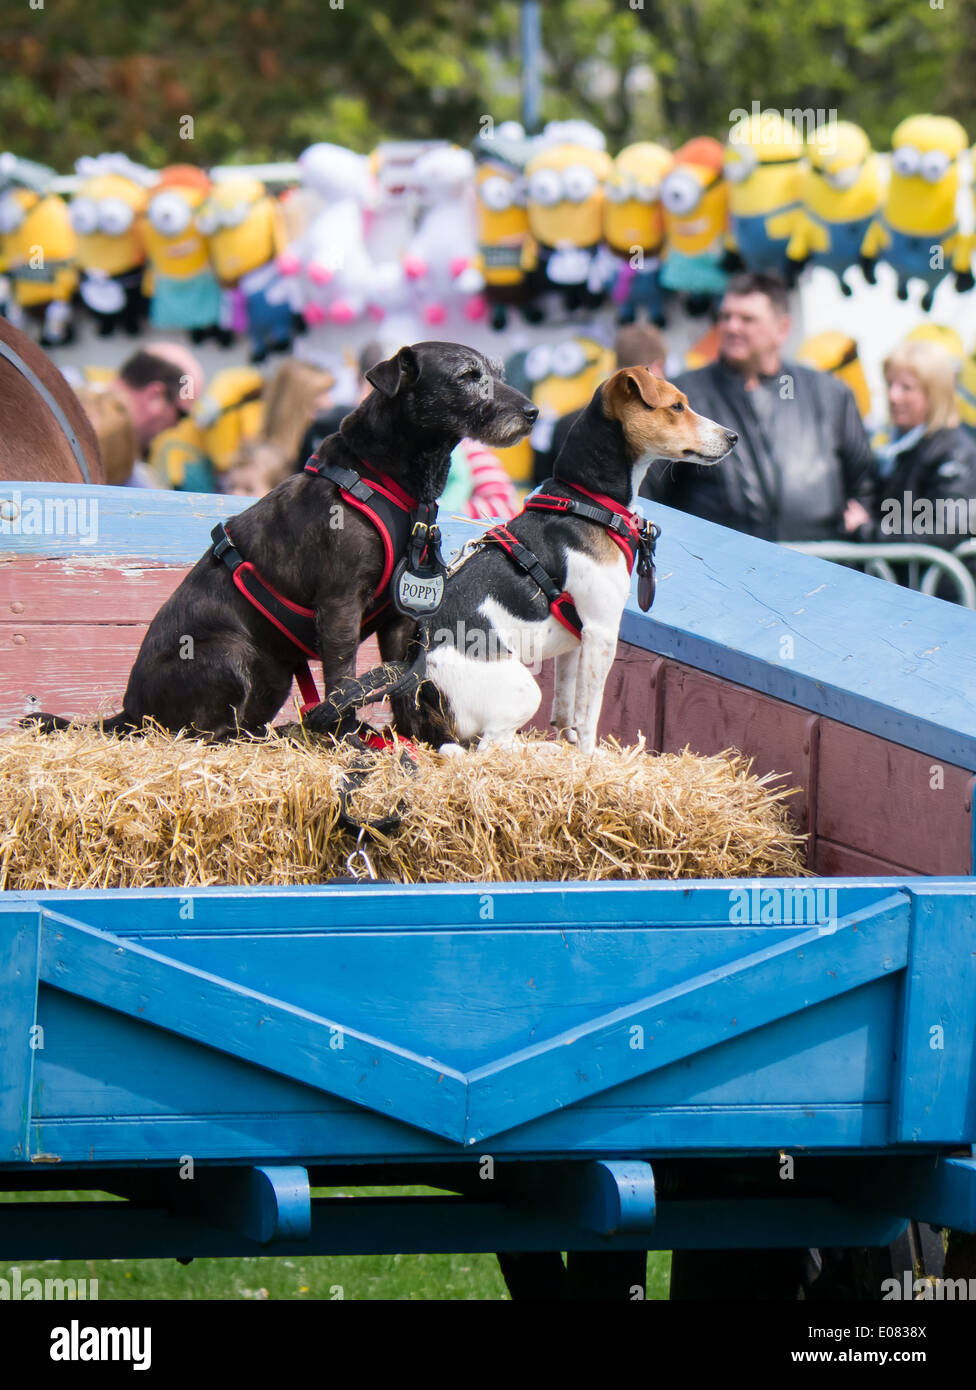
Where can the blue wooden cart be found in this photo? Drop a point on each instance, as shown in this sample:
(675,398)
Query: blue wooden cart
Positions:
(722,1066)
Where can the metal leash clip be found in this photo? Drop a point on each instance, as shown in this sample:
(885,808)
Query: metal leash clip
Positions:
(360,853)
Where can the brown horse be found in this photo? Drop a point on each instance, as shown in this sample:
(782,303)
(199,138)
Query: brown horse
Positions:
(45,435)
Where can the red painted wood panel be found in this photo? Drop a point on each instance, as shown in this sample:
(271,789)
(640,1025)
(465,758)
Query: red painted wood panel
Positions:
(630,699)
(77,590)
(709,714)
(70,632)
(877,798)
(839,861)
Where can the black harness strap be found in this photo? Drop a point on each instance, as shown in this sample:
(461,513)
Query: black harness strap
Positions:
(561,605)
(635,536)
(292,619)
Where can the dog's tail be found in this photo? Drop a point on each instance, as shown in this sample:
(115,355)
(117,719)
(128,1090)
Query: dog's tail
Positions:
(50,723)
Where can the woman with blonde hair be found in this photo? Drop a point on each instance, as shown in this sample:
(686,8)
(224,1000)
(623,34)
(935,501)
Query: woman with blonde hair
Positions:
(925,457)
(293,397)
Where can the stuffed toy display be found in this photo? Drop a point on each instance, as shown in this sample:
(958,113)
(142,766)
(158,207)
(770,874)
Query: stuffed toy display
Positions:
(841,193)
(633,228)
(917,231)
(440,261)
(330,273)
(185,292)
(108,215)
(244,227)
(694,196)
(763,168)
(565,183)
(37,250)
(503,220)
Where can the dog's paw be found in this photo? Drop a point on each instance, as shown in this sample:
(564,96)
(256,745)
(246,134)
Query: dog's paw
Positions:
(451,750)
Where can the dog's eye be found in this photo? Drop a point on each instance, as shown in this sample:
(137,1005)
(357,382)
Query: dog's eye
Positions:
(677,406)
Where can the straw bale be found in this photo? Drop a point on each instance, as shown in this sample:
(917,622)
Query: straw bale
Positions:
(82,810)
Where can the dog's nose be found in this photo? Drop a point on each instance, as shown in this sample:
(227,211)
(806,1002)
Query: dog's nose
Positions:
(732,438)
(531,412)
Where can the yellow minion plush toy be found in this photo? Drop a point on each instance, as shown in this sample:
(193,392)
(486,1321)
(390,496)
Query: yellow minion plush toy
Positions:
(837,353)
(565,189)
(245,231)
(503,219)
(694,196)
(230,411)
(841,192)
(916,231)
(633,229)
(37,249)
(559,378)
(178,458)
(764,172)
(108,214)
(185,293)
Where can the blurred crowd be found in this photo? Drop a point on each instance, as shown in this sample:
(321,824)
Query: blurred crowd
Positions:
(804,468)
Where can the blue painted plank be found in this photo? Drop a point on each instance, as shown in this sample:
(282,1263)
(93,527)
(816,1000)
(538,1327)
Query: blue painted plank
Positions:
(171,528)
(934,1084)
(19,937)
(704,1011)
(461,907)
(365,1137)
(249,1024)
(936,1189)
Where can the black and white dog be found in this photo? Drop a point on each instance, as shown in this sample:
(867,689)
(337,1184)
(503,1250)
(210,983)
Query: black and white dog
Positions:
(500,615)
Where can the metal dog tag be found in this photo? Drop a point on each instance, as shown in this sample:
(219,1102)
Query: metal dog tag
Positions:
(417,595)
(646,585)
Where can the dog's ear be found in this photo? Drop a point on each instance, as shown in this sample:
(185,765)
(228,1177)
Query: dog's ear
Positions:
(397,372)
(642,382)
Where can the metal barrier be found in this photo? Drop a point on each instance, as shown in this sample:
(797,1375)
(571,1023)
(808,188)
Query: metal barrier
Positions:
(927,564)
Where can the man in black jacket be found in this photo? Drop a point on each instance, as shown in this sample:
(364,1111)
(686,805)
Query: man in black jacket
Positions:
(803,469)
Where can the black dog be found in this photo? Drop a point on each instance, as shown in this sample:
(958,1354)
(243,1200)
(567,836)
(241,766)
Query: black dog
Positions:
(210,661)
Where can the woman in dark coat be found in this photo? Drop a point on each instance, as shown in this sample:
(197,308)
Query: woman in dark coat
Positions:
(927,462)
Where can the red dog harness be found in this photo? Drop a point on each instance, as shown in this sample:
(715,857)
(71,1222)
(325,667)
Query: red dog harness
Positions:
(404,526)
(635,537)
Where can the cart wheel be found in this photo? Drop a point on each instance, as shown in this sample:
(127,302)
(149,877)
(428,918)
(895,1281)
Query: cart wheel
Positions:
(845,1274)
(766,1275)
(857,1274)
(960,1260)
(593,1275)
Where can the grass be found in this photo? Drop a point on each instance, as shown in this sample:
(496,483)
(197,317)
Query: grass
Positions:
(322,1277)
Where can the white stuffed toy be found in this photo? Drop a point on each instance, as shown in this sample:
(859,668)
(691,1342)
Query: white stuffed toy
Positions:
(440,259)
(329,270)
